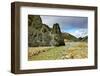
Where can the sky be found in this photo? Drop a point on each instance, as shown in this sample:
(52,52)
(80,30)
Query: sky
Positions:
(77,26)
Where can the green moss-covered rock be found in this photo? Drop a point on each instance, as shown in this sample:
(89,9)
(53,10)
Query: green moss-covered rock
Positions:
(40,34)
(46,37)
(34,21)
(57,39)
(34,27)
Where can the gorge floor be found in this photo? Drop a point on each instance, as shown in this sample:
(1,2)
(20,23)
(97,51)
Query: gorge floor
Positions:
(72,50)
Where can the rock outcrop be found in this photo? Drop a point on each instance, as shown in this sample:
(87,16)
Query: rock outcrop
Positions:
(40,34)
(57,39)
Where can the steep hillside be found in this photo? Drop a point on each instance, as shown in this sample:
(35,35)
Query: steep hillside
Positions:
(83,38)
(69,37)
(40,34)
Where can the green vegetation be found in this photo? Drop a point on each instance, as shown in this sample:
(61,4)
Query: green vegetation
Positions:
(47,43)
(72,50)
(69,37)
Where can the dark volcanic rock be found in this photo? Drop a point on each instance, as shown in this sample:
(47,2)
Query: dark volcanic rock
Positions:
(56,29)
(40,34)
(46,37)
(34,27)
(35,21)
(56,35)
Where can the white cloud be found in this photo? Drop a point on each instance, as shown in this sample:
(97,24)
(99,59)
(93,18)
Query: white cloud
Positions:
(76,26)
(80,33)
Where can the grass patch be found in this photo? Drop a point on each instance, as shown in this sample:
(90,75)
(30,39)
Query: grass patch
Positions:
(72,50)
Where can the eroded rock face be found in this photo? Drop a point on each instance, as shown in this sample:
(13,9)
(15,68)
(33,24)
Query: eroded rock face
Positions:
(57,39)
(35,21)
(34,27)
(46,37)
(40,34)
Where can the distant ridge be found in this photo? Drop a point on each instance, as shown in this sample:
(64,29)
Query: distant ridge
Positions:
(83,38)
(40,34)
(69,37)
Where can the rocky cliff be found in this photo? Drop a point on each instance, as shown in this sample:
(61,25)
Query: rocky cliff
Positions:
(40,34)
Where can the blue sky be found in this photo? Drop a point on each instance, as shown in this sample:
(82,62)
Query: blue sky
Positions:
(77,26)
